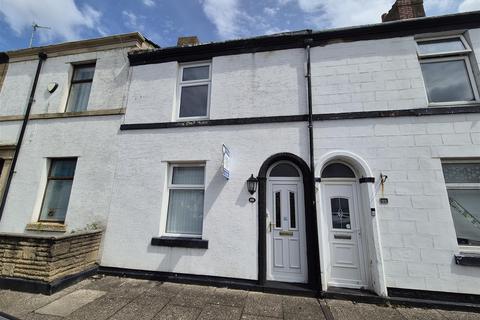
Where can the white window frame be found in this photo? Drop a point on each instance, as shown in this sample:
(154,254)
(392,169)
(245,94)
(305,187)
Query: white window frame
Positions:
(191,83)
(450,56)
(171,186)
(463,186)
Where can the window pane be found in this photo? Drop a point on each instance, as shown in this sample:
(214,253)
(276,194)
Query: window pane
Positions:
(293,206)
(284,170)
(337,170)
(63,168)
(196,73)
(461,172)
(185,212)
(465,207)
(340,213)
(188,175)
(56,200)
(79,95)
(278,211)
(83,73)
(447,81)
(440,46)
(194,101)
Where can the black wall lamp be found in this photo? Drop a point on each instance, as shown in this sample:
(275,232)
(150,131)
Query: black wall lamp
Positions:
(252,184)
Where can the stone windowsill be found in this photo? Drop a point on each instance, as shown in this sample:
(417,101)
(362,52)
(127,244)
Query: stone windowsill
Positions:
(46,226)
(179,242)
(57,115)
(468,259)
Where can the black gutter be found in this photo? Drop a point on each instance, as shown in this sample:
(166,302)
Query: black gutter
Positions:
(461,21)
(308,76)
(41,58)
(3,57)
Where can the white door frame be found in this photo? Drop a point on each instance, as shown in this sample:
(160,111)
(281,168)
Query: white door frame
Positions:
(358,232)
(298,182)
(370,213)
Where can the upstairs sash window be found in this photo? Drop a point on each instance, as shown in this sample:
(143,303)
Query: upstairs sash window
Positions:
(80,87)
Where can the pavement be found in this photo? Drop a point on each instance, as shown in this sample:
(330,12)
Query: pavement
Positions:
(116,298)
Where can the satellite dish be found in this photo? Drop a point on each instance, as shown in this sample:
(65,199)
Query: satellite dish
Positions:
(52,86)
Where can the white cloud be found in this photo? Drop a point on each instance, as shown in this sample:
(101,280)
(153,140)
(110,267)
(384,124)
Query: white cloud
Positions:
(270,11)
(149,3)
(66,20)
(469,5)
(225,15)
(132,21)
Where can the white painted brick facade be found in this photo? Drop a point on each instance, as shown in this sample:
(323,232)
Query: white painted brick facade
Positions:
(416,229)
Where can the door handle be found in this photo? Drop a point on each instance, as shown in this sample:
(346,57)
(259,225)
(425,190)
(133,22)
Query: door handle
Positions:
(270,226)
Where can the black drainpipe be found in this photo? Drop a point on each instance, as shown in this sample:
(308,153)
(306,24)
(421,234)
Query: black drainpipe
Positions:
(308,43)
(41,58)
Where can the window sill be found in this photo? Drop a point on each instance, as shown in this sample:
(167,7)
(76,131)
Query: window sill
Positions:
(454,104)
(195,243)
(46,226)
(468,259)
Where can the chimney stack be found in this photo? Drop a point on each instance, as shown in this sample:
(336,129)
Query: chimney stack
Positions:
(404,9)
(187,41)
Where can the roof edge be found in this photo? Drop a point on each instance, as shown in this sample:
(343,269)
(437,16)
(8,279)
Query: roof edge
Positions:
(132,39)
(291,40)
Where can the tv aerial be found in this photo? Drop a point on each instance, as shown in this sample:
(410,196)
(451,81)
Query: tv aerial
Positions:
(34,29)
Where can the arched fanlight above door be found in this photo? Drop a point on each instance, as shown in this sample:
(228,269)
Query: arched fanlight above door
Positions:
(337,170)
(284,169)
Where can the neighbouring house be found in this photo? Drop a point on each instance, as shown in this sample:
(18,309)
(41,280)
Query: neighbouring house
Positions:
(60,110)
(306,161)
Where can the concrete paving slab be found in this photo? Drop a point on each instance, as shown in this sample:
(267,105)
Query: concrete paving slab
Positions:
(144,307)
(193,296)
(262,304)
(253,317)
(165,289)
(373,312)
(459,315)
(212,312)
(100,309)
(67,304)
(172,312)
(228,297)
(342,309)
(38,316)
(420,314)
(306,307)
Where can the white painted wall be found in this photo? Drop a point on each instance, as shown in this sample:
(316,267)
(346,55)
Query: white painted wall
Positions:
(94,141)
(230,221)
(416,229)
(245,85)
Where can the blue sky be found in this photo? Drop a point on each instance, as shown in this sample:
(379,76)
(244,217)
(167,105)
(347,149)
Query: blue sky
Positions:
(163,21)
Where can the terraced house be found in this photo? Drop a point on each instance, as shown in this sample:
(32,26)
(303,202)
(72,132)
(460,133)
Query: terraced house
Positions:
(311,161)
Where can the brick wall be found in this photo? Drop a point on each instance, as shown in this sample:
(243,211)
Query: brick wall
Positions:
(47,258)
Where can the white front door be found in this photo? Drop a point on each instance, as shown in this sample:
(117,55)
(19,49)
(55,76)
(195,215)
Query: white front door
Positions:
(346,248)
(286,249)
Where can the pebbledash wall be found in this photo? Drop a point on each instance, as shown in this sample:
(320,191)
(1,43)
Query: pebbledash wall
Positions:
(412,239)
